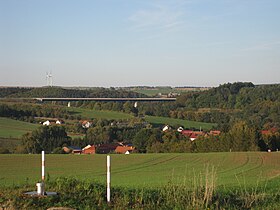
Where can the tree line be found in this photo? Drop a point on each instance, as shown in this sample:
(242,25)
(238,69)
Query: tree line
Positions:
(28,112)
(60,92)
(241,110)
(258,105)
(146,139)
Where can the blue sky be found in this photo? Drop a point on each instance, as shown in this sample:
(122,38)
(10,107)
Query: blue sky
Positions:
(139,42)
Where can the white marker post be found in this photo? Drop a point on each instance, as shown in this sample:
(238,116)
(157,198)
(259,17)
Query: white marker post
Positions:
(43,173)
(40,185)
(108,179)
(43,166)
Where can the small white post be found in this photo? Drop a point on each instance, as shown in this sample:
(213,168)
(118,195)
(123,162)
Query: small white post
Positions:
(40,188)
(43,166)
(108,179)
(43,174)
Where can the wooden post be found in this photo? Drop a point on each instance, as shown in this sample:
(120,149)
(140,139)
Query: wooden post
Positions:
(108,179)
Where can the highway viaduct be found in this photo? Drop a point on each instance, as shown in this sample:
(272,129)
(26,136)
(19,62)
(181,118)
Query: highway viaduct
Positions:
(108,99)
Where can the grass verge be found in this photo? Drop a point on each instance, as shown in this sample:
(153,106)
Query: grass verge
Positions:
(199,192)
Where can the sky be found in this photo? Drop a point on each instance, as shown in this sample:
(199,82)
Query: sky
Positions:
(118,43)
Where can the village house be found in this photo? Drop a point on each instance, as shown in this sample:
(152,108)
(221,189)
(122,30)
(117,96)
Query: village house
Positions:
(72,150)
(107,148)
(166,128)
(49,122)
(119,148)
(89,149)
(124,149)
(195,134)
(192,135)
(53,122)
(86,124)
(180,129)
(215,133)
(59,122)
(269,132)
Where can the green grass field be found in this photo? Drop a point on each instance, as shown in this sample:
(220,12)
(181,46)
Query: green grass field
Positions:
(147,170)
(184,123)
(10,128)
(102,114)
(88,113)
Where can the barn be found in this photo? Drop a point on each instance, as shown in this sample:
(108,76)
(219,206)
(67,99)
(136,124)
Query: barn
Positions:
(89,149)
(123,149)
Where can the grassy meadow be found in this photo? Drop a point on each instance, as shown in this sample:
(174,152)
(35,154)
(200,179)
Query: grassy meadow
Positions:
(245,180)
(174,122)
(146,170)
(91,113)
(99,114)
(10,128)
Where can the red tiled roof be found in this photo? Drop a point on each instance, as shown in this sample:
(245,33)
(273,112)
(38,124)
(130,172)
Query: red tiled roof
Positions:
(89,149)
(215,133)
(124,149)
(265,132)
(192,134)
(106,148)
(270,131)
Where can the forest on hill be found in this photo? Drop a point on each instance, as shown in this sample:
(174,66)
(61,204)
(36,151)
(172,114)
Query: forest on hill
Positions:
(258,105)
(231,96)
(60,92)
(241,112)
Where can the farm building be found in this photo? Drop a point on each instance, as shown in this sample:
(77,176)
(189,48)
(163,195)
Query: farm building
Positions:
(59,122)
(86,124)
(49,122)
(123,149)
(180,129)
(166,128)
(53,122)
(107,148)
(215,133)
(89,149)
(269,132)
(119,148)
(192,134)
(72,149)
(195,134)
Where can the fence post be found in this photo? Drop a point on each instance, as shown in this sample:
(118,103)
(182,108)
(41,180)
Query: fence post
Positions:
(41,186)
(108,179)
(43,166)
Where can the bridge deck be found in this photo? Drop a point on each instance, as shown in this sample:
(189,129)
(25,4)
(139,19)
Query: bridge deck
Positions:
(106,99)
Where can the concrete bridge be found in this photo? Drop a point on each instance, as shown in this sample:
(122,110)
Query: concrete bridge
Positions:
(108,99)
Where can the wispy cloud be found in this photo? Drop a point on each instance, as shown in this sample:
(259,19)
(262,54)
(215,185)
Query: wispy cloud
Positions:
(159,16)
